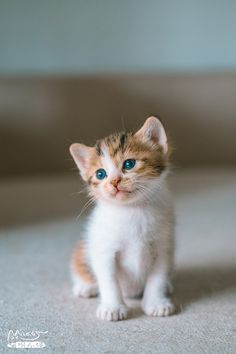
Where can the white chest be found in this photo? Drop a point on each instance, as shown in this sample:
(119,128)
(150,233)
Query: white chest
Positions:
(132,238)
(118,224)
(127,233)
(135,258)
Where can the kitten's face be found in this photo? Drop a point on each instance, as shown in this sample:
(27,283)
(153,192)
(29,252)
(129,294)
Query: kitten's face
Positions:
(124,168)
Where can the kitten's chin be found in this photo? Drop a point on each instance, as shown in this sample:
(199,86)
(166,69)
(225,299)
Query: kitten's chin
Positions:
(122,197)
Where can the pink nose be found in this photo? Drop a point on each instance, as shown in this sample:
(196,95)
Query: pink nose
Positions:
(115,182)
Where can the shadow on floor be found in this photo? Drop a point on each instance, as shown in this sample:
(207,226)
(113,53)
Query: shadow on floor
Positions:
(193,285)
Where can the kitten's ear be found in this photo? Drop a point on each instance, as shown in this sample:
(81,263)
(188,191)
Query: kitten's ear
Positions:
(153,131)
(81,154)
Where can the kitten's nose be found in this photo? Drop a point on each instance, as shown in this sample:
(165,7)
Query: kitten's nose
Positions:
(115,181)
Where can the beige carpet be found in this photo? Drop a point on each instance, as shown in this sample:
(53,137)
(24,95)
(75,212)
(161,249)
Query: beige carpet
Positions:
(38,231)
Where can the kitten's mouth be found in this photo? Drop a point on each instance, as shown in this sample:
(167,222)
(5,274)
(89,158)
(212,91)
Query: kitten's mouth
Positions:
(121,192)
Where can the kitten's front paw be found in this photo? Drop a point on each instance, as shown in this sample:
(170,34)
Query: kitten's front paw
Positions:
(110,313)
(159,308)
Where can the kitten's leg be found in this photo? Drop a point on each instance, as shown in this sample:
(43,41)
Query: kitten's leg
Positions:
(155,299)
(112,306)
(84,285)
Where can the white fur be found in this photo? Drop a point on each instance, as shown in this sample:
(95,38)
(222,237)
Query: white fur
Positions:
(130,248)
(108,164)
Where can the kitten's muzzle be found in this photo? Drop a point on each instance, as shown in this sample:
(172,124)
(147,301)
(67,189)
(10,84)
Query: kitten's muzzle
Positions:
(115,182)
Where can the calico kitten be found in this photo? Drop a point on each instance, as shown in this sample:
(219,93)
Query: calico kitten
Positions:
(128,249)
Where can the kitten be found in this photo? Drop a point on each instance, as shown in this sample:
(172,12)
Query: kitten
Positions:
(128,249)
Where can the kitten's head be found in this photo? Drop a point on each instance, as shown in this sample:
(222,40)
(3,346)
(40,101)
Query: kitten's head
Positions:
(124,167)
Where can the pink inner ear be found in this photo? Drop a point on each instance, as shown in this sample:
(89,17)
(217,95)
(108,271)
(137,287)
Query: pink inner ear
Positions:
(81,154)
(159,135)
(153,130)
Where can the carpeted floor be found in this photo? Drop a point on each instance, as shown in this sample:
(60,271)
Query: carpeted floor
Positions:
(37,233)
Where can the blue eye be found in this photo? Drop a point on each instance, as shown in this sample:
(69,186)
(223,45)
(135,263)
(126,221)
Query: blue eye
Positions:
(129,164)
(101,173)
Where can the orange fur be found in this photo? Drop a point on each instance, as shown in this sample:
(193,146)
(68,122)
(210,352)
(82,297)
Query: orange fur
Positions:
(154,161)
(79,263)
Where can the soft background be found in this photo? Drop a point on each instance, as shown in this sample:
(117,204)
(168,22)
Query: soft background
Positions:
(76,70)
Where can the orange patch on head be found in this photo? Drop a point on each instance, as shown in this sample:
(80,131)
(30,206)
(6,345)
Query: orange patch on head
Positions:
(148,148)
(127,145)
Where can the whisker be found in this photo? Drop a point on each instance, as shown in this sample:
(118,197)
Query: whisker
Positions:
(85,207)
(123,123)
(84,190)
(146,192)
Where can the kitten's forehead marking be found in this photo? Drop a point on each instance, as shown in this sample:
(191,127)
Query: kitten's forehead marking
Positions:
(123,138)
(98,148)
(109,163)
